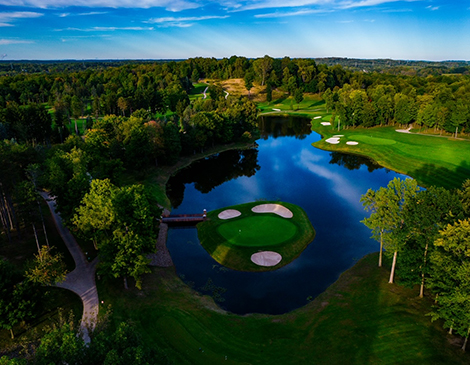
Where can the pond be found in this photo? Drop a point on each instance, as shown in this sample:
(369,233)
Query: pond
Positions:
(284,166)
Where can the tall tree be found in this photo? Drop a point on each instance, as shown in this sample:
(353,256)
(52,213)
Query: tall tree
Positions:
(388,220)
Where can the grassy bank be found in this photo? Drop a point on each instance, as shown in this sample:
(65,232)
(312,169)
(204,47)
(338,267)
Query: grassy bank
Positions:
(429,159)
(232,242)
(360,319)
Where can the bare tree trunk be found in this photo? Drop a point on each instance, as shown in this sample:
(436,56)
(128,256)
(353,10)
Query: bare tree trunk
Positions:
(466,339)
(125,283)
(12,334)
(37,241)
(381,248)
(421,290)
(43,223)
(3,218)
(392,272)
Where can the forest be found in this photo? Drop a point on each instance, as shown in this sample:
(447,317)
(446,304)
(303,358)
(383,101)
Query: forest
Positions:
(139,115)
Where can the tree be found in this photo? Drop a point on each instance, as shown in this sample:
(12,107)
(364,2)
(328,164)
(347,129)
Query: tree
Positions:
(269,92)
(122,224)
(47,268)
(249,77)
(298,96)
(387,220)
(450,279)
(19,298)
(262,67)
(426,213)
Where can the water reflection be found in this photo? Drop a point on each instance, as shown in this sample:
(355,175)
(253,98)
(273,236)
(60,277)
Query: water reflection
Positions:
(283,127)
(213,171)
(353,162)
(287,168)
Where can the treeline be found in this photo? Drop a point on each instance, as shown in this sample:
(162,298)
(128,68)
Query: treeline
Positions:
(440,103)
(427,235)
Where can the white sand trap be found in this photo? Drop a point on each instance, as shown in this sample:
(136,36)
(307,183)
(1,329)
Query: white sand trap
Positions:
(229,213)
(325,123)
(332,140)
(273,208)
(319,117)
(276,110)
(338,135)
(403,130)
(266,258)
(352,143)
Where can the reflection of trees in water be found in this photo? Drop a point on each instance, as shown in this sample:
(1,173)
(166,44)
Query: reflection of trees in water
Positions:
(353,162)
(213,171)
(284,127)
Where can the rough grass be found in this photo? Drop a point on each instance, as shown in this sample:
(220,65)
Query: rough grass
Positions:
(428,159)
(360,319)
(236,253)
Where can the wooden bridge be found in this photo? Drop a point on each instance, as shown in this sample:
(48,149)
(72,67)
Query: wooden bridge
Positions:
(184,219)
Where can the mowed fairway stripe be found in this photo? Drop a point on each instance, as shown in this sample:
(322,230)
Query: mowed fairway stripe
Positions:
(263,230)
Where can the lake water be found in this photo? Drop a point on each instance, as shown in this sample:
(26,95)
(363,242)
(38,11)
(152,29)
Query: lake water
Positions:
(284,166)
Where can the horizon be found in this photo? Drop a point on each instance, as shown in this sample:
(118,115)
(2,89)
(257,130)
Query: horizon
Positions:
(408,30)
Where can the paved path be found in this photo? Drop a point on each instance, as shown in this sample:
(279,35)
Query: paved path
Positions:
(162,258)
(82,279)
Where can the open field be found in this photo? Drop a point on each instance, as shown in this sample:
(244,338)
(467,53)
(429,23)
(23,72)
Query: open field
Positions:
(232,242)
(360,318)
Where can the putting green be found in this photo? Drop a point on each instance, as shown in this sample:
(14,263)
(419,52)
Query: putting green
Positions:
(374,140)
(257,231)
(232,241)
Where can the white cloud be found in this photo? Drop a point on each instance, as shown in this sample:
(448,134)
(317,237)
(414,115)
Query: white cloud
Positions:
(13,41)
(171,19)
(432,8)
(171,5)
(6,18)
(104,29)
(181,22)
(292,13)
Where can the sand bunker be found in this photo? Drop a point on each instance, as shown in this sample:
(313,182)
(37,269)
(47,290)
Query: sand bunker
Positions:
(276,110)
(319,117)
(352,143)
(273,208)
(229,213)
(325,123)
(266,258)
(332,140)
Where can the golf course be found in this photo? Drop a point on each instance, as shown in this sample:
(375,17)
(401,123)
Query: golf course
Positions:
(234,234)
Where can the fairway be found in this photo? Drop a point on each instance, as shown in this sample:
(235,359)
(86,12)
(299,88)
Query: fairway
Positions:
(257,231)
(374,140)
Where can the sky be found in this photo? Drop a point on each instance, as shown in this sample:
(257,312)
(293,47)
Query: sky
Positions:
(179,29)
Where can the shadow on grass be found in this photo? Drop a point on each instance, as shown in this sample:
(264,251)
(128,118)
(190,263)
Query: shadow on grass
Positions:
(430,175)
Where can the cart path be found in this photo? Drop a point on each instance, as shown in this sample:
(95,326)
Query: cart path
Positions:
(82,279)
(162,257)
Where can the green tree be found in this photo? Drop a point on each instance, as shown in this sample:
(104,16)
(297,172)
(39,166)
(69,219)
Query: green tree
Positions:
(387,220)
(47,268)
(249,78)
(269,92)
(426,213)
(262,67)
(450,279)
(298,96)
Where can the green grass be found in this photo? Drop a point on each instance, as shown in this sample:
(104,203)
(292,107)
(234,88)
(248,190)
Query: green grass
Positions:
(430,160)
(232,242)
(360,319)
(311,106)
(257,231)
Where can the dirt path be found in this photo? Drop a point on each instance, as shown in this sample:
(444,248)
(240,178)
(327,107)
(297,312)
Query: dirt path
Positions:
(82,279)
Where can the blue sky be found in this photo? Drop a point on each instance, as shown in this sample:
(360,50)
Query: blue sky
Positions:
(163,29)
